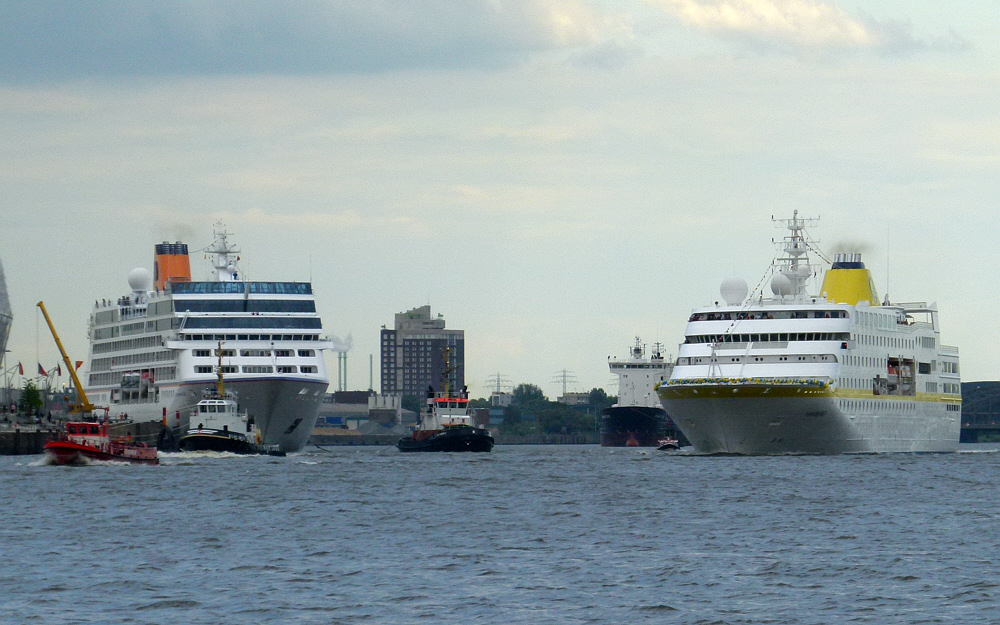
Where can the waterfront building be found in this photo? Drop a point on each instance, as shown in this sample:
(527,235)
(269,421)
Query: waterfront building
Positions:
(413,354)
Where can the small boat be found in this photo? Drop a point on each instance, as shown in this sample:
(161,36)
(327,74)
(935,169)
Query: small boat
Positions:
(446,423)
(86,440)
(668,444)
(222,427)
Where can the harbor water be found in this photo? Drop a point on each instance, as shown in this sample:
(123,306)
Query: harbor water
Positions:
(526,534)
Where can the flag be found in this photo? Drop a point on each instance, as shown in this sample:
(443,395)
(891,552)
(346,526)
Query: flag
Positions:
(59,370)
(20,369)
(41,371)
(79,363)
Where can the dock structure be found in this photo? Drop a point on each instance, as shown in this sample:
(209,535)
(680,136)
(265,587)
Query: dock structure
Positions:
(23,441)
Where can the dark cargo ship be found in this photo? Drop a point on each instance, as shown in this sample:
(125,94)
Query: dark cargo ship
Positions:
(638,420)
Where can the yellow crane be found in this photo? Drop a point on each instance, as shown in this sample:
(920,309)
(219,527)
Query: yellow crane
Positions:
(83,405)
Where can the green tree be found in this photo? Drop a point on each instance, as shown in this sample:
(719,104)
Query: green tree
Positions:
(561,419)
(598,400)
(513,423)
(528,396)
(31,398)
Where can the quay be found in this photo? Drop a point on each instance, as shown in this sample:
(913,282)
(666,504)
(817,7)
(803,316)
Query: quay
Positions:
(25,440)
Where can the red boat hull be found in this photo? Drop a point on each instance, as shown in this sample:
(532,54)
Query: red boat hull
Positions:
(67,452)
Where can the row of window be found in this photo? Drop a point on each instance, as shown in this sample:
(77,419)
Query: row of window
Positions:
(778,337)
(284,288)
(245,305)
(253,353)
(105,364)
(259,369)
(157,325)
(875,340)
(695,360)
(251,337)
(769,314)
(127,344)
(159,374)
(281,323)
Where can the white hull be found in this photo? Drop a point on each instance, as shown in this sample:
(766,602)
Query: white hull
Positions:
(284,410)
(843,371)
(754,425)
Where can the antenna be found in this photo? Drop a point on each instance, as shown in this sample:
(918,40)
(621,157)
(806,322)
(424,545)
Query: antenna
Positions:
(564,377)
(498,382)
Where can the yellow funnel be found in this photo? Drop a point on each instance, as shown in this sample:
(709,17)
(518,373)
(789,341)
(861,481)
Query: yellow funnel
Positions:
(848,282)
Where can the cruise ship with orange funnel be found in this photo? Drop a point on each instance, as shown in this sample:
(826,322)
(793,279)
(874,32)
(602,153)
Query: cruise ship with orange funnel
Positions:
(153,352)
(835,372)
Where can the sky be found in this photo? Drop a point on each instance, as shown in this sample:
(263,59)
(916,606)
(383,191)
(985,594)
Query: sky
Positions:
(554,177)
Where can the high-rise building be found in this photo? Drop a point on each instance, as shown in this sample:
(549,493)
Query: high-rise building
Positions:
(413,354)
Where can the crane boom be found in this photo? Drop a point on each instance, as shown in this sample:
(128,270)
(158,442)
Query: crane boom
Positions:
(84,404)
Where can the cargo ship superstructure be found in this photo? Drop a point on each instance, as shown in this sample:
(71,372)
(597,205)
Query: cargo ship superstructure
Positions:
(637,419)
(837,372)
(153,352)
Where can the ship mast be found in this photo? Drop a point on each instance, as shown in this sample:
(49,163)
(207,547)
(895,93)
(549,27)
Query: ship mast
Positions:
(446,370)
(794,264)
(220,386)
(223,256)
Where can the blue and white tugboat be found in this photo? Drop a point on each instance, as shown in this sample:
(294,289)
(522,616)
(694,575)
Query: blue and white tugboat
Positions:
(446,424)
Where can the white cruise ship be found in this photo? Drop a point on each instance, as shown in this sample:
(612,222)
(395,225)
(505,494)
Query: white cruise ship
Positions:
(6,317)
(837,372)
(154,352)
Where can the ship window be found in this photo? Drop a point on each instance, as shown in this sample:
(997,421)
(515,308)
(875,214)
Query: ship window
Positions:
(202,369)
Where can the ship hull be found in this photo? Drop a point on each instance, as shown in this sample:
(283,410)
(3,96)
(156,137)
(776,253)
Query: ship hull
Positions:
(634,426)
(756,420)
(284,410)
(67,452)
(457,439)
(223,442)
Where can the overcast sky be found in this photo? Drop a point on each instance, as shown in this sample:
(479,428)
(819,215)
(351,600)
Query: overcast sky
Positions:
(555,177)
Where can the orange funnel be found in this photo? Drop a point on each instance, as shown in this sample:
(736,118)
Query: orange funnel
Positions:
(171,264)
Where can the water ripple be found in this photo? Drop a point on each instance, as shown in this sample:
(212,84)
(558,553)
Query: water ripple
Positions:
(523,535)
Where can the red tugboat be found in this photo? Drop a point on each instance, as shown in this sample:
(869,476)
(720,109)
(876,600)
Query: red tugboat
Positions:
(85,441)
(91,440)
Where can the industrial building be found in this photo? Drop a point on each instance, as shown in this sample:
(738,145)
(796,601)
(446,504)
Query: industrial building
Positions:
(413,354)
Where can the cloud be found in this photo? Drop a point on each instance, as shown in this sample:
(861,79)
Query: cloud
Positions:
(66,39)
(802,26)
